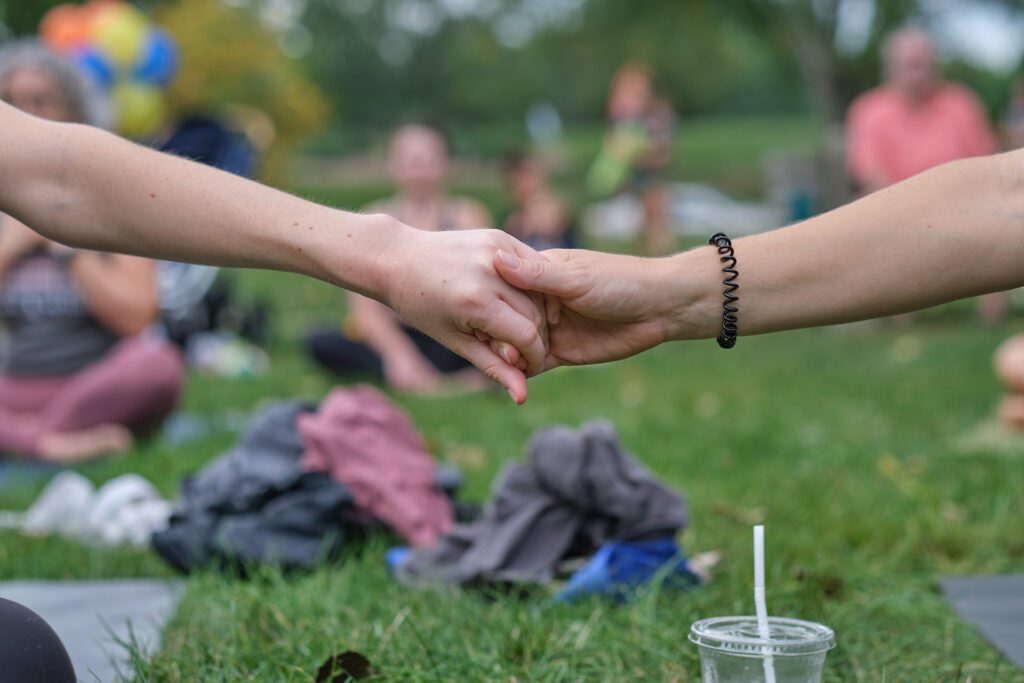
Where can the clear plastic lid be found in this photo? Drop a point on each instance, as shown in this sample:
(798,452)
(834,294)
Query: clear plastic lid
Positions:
(741,637)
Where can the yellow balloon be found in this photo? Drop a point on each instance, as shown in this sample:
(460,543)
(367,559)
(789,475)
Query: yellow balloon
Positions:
(140,109)
(119,30)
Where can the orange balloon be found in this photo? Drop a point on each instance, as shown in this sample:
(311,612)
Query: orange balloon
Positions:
(64,26)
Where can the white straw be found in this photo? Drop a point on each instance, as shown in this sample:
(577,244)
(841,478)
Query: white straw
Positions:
(760,604)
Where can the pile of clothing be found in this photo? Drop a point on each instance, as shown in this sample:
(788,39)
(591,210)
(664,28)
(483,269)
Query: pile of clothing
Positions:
(304,481)
(580,496)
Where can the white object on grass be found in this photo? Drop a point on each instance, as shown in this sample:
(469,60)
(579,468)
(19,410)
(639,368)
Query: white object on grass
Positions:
(760,603)
(125,510)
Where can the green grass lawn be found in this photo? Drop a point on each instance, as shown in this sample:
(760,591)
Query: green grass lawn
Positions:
(840,441)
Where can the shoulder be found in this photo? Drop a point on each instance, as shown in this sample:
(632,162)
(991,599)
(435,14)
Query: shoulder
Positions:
(961,96)
(872,104)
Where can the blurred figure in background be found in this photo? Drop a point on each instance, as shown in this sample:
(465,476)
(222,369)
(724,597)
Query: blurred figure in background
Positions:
(913,122)
(538,217)
(637,151)
(375,342)
(79,372)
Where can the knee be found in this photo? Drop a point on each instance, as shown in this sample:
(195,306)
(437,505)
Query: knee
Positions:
(1009,364)
(161,368)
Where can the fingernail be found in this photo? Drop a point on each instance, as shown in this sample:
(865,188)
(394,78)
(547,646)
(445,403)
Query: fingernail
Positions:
(513,396)
(511,261)
(503,352)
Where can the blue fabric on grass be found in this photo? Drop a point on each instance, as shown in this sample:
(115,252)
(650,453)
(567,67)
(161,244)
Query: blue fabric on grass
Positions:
(620,567)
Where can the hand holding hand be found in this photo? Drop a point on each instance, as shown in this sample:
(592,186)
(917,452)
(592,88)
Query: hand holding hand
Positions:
(609,306)
(445,284)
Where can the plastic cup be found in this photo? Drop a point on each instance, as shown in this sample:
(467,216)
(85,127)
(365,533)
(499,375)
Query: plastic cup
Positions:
(732,650)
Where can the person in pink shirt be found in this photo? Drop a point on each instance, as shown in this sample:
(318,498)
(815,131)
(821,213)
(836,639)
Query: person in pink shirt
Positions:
(914,121)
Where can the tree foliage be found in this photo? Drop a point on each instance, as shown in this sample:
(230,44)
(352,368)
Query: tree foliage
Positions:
(229,59)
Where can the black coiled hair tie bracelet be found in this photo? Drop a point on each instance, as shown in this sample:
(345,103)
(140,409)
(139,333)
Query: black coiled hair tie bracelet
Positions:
(720,241)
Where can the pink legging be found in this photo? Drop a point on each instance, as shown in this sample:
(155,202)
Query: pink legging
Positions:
(136,384)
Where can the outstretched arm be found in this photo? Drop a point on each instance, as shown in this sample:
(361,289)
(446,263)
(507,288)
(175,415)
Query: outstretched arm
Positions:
(84,187)
(953,232)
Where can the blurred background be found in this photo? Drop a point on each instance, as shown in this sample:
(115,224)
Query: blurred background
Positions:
(750,80)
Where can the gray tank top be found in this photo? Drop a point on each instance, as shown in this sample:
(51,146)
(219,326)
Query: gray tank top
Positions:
(50,331)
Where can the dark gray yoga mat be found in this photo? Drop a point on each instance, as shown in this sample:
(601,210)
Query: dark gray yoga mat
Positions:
(995,606)
(92,616)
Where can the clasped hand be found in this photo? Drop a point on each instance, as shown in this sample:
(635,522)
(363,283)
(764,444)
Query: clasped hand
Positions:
(514,312)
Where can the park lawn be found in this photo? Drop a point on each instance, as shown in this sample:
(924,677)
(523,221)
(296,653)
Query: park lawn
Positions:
(840,441)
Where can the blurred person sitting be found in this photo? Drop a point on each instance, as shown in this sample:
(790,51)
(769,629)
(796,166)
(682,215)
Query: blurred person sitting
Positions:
(637,150)
(915,121)
(375,342)
(539,217)
(78,372)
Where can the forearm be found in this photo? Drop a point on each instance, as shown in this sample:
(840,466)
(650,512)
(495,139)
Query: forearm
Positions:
(120,291)
(84,187)
(953,232)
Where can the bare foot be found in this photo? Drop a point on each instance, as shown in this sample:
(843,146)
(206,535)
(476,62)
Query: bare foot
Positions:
(85,443)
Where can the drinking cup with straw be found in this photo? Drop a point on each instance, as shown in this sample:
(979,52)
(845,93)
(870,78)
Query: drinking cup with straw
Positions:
(761,648)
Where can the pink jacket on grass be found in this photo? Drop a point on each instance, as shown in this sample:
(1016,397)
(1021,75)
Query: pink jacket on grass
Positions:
(370,445)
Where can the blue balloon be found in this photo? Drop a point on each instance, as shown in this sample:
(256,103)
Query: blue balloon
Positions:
(92,62)
(159,60)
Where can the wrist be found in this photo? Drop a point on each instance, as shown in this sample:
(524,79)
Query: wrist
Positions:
(358,255)
(691,303)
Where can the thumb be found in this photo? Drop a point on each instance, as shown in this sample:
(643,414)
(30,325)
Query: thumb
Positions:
(535,275)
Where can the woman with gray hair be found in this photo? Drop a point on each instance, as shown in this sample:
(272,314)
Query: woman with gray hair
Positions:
(79,371)
(60,91)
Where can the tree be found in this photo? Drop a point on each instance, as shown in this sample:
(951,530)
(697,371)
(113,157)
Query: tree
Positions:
(229,59)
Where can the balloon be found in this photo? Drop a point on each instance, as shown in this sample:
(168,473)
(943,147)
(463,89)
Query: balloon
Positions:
(64,26)
(140,109)
(159,59)
(93,62)
(119,31)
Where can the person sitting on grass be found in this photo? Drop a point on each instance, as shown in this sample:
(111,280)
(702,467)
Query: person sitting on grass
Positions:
(78,372)
(539,217)
(377,343)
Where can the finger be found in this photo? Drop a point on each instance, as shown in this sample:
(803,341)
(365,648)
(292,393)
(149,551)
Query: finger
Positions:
(506,351)
(535,275)
(503,323)
(489,363)
(552,309)
(532,307)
